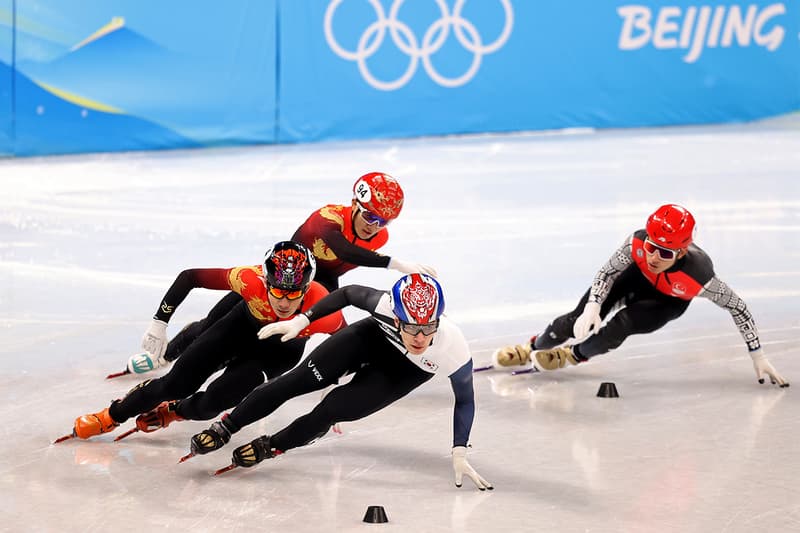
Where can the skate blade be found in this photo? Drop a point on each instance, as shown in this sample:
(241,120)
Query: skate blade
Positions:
(186,457)
(225,469)
(482,368)
(126,434)
(118,374)
(65,437)
(531,370)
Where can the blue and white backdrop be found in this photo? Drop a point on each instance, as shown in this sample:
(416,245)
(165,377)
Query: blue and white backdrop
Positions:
(99,75)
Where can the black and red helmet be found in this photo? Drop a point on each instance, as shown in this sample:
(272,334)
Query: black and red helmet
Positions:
(289,265)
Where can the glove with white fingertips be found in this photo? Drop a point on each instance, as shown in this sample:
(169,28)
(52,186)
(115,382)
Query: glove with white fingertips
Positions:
(411,268)
(289,329)
(461,467)
(141,363)
(588,322)
(154,340)
(762,366)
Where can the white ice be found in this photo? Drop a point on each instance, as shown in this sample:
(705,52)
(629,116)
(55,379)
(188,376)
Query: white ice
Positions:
(517,225)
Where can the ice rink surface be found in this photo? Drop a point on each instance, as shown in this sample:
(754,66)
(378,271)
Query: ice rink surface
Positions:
(517,226)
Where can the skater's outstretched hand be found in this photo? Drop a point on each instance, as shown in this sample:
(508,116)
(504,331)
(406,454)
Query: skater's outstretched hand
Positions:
(407,267)
(763,366)
(288,328)
(462,467)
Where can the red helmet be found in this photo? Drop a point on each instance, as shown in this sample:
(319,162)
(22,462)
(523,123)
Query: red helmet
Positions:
(380,194)
(671,226)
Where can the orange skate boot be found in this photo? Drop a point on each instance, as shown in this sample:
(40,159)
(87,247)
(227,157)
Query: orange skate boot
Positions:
(158,418)
(93,424)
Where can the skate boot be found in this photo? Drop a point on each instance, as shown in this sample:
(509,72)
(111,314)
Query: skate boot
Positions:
(554,358)
(513,355)
(254,452)
(213,438)
(158,418)
(94,424)
(251,454)
(141,363)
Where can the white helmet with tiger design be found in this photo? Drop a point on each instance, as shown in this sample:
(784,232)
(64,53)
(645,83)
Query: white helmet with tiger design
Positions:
(417,299)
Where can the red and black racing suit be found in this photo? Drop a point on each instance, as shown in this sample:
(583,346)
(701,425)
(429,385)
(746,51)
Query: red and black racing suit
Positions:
(330,236)
(230,342)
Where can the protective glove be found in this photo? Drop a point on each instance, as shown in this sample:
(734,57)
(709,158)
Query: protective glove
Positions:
(461,466)
(288,328)
(154,341)
(144,362)
(763,366)
(411,268)
(589,321)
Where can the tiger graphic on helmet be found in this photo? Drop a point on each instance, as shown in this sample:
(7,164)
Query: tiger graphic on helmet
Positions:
(417,299)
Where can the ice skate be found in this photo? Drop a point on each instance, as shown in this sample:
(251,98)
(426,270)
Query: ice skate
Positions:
(160,417)
(251,454)
(93,424)
(213,438)
(118,374)
(140,363)
(510,356)
(554,358)
(144,362)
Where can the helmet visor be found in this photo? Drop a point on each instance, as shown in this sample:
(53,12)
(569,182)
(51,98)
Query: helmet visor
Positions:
(371,218)
(426,329)
(664,253)
(289,294)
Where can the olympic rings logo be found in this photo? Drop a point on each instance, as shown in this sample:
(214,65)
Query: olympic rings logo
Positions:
(406,41)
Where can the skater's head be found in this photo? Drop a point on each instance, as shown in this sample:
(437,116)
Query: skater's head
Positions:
(417,303)
(670,231)
(377,200)
(289,269)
